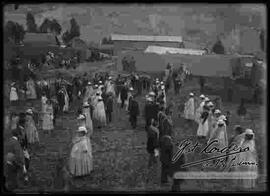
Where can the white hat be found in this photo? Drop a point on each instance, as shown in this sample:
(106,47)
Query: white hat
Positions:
(249,132)
(207,99)
(29,111)
(210,104)
(131,89)
(82,129)
(202,96)
(191,94)
(99,98)
(85,104)
(162,87)
(157,79)
(220,122)
(110,77)
(222,117)
(152,93)
(100,82)
(81,116)
(89,83)
(149,99)
(217,111)
(96,85)
(161,82)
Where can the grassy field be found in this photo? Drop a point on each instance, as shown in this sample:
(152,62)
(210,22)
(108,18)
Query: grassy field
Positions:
(120,157)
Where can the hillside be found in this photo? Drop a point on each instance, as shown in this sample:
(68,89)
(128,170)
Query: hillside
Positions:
(199,23)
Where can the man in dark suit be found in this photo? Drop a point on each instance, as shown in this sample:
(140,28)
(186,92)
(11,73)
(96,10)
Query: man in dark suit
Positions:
(17,162)
(166,154)
(123,95)
(109,108)
(152,142)
(133,112)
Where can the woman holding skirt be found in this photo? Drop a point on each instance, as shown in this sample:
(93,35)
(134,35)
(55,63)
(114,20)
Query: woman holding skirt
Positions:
(81,159)
(30,128)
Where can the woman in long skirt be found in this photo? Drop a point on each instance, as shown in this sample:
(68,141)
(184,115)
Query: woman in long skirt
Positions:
(86,112)
(30,128)
(100,113)
(30,85)
(81,159)
(189,111)
(250,158)
(47,121)
(13,96)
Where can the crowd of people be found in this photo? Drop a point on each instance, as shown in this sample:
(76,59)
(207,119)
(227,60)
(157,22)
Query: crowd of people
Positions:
(95,99)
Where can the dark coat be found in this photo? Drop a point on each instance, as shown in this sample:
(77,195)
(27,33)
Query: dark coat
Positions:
(14,146)
(109,104)
(152,139)
(166,151)
(11,173)
(124,93)
(167,128)
(133,108)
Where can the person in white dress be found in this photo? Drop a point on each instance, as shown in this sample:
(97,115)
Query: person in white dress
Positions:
(250,158)
(43,102)
(128,97)
(110,87)
(47,120)
(86,113)
(189,111)
(203,128)
(88,92)
(199,109)
(31,89)
(219,134)
(30,128)
(66,106)
(13,96)
(100,114)
(81,159)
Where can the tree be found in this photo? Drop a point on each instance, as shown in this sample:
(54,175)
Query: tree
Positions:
(14,31)
(31,24)
(74,29)
(218,47)
(55,27)
(45,26)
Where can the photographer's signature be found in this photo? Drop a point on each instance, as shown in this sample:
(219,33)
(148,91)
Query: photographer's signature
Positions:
(221,160)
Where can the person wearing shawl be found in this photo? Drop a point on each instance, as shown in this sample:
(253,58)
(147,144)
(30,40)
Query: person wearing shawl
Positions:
(189,111)
(30,128)
(47,121)
(31,89)
(152,142)
(14,120)
(250,157)
(219,134)
(88,120)
(134,111)
(110,87)
(129,95)
(88,92)
(13,96)
(199,109)
(99,113)
(203,128)
(81,159)
(166,154)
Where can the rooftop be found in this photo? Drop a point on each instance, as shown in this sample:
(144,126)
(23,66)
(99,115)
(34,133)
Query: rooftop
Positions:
(118,37)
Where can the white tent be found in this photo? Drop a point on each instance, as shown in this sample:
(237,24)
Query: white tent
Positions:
(168,50)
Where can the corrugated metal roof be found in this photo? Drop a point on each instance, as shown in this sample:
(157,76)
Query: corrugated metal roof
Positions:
(118,37)
(39,38)
(164,50)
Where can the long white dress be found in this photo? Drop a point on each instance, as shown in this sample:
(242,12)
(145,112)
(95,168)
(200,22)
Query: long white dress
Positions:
(198,112)
(13,96)
(43,103)
(220,134)
(31,89)
(66,106)
(203,128)
(110,88)
(100,114)
(189,111)
(47,121)
(31,130)
(88,120)
(250,157)
(81,159)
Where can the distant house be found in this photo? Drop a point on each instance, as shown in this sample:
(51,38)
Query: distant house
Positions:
(141,42)
(40,39)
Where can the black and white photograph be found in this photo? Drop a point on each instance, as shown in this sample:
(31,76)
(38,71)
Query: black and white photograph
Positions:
(134,98)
